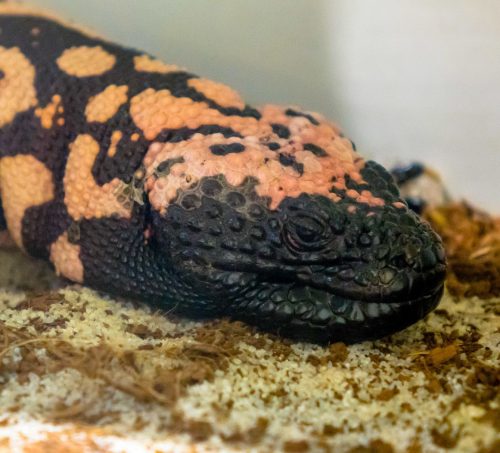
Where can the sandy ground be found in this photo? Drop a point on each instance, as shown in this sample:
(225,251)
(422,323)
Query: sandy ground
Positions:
(81,372)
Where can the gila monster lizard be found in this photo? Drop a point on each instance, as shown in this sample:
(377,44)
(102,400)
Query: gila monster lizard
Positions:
(140,179)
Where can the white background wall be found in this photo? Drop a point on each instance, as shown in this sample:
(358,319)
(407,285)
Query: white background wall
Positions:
(406,79)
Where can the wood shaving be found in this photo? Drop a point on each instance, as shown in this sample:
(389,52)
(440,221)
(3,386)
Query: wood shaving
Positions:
(472,242)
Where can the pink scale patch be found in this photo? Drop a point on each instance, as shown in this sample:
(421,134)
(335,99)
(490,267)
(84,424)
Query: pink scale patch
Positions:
(276,181)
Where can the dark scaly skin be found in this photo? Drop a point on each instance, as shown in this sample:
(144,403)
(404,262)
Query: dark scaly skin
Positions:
(311,268)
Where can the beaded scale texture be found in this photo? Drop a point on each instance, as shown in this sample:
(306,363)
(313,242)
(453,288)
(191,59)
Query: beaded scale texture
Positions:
(138,178)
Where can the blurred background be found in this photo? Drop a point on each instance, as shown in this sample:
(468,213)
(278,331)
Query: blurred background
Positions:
(406,80)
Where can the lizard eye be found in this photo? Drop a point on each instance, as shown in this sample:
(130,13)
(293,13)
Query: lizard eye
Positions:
(304,232)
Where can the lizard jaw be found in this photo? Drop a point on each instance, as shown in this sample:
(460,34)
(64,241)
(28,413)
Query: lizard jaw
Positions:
(315,315)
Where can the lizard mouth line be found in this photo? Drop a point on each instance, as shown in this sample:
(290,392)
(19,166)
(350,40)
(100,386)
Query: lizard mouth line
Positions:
(285,280)
(338,302)
(323,317)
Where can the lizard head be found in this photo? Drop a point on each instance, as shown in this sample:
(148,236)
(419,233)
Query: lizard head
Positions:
(299,234)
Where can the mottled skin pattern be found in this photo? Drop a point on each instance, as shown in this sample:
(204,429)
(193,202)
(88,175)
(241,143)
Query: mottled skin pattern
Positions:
(140,179)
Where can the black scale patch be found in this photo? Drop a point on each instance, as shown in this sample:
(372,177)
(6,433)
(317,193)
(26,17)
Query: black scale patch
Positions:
(288,160)
(185,133)
(312,120)
(280,130)
(315,149)
(223,149)
(163,169)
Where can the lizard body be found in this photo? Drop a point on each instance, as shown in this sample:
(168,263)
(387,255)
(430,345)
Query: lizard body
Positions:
(138,178)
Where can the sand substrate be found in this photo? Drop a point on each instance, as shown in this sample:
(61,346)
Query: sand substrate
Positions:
(81,372)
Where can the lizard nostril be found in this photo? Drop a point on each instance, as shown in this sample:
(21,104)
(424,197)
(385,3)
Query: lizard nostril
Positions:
(386,275)
(411,251)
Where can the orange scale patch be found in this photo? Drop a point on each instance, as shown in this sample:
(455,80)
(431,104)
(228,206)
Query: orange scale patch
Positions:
(144,63)
(85,199)
(311,163)
(301,128)
(218,92)
(17,87)
(65,257)
(275,180)
(84,61)
(274,114)
(103,106)
(47,113)
(25,182)
(116,136)
(353,194)
(302,131)
(152,111)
